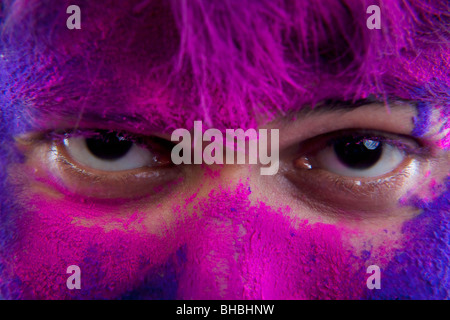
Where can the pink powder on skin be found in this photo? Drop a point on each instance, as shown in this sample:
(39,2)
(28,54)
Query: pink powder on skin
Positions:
(232,250)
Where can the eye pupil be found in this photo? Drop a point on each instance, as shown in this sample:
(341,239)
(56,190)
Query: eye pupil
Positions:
(108,145)
(358,153)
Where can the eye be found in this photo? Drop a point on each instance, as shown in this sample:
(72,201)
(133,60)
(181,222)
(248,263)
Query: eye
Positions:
(355,170)
(360,156)
(109,151)
(102,164)
(356,154)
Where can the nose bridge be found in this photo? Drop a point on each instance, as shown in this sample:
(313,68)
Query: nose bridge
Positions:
(215,239)
(225,254)
(205,178)
(236,250)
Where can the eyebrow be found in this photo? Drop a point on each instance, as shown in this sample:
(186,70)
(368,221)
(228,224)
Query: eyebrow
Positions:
(345,105)
(156,122)
(339,107)
(92,119)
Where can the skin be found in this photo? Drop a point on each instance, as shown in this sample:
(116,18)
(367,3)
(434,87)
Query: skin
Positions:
(210,231)
(155,227)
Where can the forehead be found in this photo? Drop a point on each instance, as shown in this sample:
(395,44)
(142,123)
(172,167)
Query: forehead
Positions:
(167,64)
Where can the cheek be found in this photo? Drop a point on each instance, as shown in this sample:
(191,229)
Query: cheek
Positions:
(421,270)
(237,250)
(219,247)
(114,254)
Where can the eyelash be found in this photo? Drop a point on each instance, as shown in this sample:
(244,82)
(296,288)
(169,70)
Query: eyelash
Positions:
(350,194)
(60,135)
(75,180)
(152,143)
(399,141)
(307,147)
(344,191)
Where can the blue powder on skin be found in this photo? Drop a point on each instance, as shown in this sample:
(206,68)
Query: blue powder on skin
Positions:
(160,283)
(422,269)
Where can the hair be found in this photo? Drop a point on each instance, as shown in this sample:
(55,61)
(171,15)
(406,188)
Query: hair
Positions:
(235,63)
(230,63)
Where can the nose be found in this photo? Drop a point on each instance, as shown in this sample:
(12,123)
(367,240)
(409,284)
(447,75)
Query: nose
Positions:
(216,239)
(230,240)
(216,232)
(238,247)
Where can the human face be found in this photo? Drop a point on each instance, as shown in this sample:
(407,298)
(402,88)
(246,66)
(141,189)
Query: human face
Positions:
(89,180)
